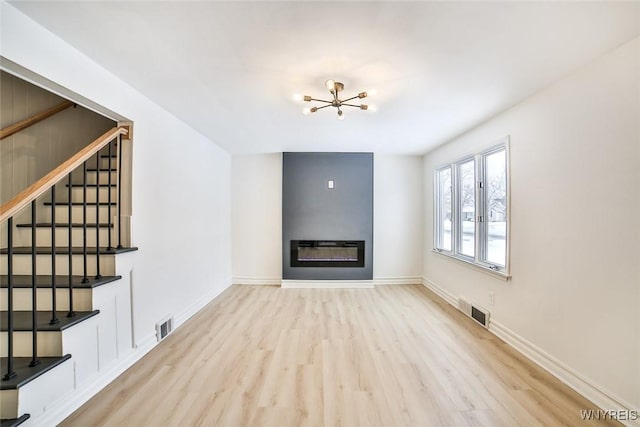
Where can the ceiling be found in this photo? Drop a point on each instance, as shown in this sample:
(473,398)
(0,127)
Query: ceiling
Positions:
(229,69)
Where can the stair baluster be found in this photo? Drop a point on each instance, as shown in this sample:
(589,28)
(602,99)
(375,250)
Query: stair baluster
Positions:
(10,372)
(71,313)
(85,279)
(98,275)
(109,246)
(54,314)
(34,302)
(119,172)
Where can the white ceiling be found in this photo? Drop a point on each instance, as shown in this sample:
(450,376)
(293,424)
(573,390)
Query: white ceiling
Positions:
(229,69)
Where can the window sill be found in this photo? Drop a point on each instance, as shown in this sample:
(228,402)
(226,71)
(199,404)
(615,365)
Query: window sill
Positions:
(472,265)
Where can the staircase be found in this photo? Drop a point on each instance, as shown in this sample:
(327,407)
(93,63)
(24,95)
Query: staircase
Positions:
(61,250)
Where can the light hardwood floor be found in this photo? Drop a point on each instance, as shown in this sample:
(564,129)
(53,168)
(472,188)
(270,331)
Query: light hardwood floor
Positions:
(389,356)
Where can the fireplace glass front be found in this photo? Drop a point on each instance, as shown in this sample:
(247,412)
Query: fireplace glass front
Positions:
(327,253)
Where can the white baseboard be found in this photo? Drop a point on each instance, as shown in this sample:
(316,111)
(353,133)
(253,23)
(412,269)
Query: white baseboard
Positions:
(440,292)
(147,342)
(582,385)
(65,407)
(187,313)
(404,280)
(276,281)
(256,281)
(327,284)
(596,394)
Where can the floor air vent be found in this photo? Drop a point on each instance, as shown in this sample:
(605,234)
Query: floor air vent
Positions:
(164,327)
(477,313)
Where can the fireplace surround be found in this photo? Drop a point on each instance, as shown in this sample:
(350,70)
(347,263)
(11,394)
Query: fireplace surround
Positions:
(327,206)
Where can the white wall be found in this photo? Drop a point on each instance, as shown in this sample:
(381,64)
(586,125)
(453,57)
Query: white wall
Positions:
(257,219)
(575,188)
(397,218)
(181,181)
(256,212)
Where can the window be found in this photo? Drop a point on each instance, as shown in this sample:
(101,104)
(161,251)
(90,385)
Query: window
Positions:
(467,208)
(472,209)
(444,209)
(495,183)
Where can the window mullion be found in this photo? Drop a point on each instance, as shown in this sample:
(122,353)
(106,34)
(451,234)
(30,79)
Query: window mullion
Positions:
(481,217)
(437,244)
(478,211)
(454,209)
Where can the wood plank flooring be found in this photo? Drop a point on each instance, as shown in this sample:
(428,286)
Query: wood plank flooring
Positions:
(389,356)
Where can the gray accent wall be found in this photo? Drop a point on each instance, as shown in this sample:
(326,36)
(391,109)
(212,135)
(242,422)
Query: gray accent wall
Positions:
(312,211)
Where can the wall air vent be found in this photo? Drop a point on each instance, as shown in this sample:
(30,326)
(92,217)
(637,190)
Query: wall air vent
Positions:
(164,327)
(477,313)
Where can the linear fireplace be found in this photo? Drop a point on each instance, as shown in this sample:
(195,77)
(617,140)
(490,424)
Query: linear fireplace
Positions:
(327,253)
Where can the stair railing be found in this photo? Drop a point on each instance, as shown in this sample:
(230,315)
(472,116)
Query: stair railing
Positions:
(28,197)
(23,124)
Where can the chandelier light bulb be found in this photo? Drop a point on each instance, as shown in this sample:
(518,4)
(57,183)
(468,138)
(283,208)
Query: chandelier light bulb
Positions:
(372,108)
(372,92)
(340,115)
(306,111)
(330,84)
(297,97)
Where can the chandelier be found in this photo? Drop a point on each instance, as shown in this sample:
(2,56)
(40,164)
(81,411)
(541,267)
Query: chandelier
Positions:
(334,88)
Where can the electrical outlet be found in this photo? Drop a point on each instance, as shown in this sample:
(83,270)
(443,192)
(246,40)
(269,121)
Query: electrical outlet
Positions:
(492,298)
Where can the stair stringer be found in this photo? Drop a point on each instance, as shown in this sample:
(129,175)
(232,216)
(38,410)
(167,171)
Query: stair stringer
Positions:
(102,347)
(36,397)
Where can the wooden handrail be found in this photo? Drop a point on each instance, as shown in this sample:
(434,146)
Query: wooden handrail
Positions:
(39,187)
(23,124)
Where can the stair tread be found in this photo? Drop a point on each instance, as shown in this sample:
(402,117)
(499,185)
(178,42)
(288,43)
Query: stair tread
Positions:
(22,320)
(64,225)
(62,281)
(26,373)
(14,422)
(64,250)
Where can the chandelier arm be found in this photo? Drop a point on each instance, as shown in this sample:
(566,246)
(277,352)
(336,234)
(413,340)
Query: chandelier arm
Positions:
(324,106)
(321,100)
(351,105)
(349,99)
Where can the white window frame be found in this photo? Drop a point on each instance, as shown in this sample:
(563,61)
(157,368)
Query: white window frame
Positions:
(438,210)
(481,225)
(458,210)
